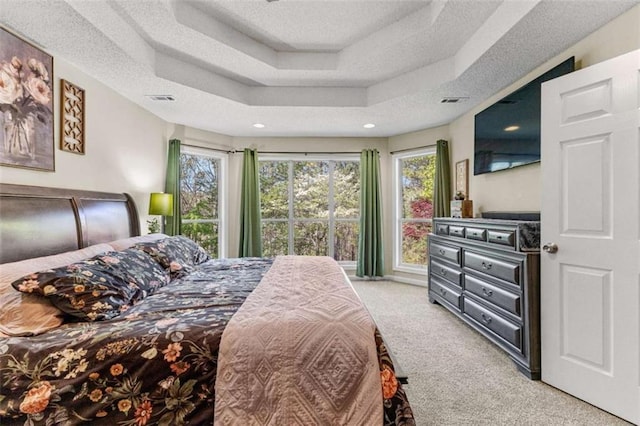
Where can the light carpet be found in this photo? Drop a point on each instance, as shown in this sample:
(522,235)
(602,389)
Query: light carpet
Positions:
(456,376)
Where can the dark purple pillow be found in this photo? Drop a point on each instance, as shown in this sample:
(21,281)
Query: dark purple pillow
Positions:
(98,288)
(178,254)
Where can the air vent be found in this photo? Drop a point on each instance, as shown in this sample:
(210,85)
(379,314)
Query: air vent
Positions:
(453,100)
(167,98)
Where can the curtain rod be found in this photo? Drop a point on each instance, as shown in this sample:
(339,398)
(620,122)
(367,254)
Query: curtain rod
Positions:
(412,149)
(305,153)
(226,151)
(239,151)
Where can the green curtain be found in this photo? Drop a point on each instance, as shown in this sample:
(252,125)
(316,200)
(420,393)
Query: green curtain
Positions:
(172,186)
(250,232)
(370,248)
(442,187)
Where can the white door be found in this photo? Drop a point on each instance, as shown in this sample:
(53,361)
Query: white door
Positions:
(590,302)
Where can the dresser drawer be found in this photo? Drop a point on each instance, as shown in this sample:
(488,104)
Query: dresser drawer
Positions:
(446,252)
(456,231)
(504,237)
(495,267)
(450,274)
(440,289)
(476,234)
(493,294)
(500,326)
(442,229)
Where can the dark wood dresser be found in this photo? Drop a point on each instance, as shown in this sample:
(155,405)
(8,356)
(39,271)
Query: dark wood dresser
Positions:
(487,272)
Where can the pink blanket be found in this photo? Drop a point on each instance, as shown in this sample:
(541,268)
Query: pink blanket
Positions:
(300,351)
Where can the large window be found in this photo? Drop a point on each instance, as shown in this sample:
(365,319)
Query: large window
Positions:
(201,193)
(310,207)
(414,175)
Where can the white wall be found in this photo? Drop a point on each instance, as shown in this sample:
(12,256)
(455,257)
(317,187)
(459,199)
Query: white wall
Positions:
(125,146)
(519,189)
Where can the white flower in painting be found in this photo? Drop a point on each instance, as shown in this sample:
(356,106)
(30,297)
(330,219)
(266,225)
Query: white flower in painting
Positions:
(39,90)
(10,88)
(38,69)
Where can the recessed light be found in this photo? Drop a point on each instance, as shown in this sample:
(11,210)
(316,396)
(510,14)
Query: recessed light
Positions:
(161,97)
(369,126)
(453,99)
(511,128)
(258,125)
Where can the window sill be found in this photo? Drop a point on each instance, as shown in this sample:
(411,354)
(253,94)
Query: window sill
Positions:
(418,270)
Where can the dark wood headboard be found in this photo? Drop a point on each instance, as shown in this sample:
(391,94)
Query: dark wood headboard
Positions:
(38,221)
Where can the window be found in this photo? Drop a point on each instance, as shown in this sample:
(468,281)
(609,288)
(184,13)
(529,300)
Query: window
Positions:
(201,198)
(413,191)
(310,207)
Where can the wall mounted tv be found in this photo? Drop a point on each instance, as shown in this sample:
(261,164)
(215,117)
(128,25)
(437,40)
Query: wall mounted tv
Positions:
(507,134)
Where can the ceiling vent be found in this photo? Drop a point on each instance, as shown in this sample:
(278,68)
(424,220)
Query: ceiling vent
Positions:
(453,100)
(169,98)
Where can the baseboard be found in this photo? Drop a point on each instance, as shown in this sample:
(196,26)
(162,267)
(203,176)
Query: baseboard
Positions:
(403,280)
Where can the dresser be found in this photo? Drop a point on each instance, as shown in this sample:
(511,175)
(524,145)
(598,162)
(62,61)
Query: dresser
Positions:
(487,272)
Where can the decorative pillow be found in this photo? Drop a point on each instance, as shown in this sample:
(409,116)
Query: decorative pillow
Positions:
(98,288)
(125,243)
(29,314)
(177,254)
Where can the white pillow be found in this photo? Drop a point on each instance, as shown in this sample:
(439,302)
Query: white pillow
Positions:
(29,314)
(125,243)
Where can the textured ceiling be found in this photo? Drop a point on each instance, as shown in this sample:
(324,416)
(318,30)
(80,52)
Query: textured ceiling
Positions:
(307,67)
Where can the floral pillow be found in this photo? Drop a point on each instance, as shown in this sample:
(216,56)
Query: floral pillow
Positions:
(178,254)
(98,288)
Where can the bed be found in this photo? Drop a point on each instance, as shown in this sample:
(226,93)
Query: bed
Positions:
(101,325)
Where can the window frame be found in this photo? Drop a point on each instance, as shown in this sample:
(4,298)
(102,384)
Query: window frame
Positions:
(332,220)
(223,159)
(398,220)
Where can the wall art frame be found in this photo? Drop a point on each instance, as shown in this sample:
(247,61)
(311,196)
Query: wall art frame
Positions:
(72,118)
(462,177)
(26,104)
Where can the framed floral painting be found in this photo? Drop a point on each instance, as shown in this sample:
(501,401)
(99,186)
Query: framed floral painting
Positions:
(26,104)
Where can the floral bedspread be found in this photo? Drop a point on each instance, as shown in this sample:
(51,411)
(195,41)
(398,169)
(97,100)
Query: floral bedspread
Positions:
(156,364)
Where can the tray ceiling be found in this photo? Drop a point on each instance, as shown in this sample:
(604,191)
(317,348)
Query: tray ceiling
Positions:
(307,67)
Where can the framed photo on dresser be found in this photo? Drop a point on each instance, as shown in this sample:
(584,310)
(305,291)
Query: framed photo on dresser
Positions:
(462,177)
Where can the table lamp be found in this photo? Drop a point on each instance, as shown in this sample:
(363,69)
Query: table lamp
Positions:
(159,204)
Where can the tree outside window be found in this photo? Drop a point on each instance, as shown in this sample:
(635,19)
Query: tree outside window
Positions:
(310,207)
(415,183)
(200,178)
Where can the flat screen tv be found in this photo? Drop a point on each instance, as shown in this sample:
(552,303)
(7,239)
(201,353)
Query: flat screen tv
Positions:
(507,134)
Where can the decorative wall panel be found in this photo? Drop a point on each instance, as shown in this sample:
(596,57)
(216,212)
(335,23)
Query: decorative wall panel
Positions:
(72,138)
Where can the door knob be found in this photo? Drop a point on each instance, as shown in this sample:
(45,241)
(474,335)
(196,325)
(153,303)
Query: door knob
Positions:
(550,247)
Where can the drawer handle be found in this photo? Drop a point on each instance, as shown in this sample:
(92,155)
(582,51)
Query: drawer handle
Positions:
(486,265)
(485,318)
(486,292)
(443,292)
(442,252)
(443,272)
(499,237)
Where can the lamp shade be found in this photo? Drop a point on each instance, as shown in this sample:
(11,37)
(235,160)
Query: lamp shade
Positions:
(161,204)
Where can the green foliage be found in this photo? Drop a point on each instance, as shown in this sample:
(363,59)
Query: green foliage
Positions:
(418,178)
(310,184)
(199,200)
(153,226)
